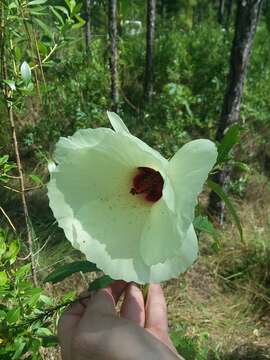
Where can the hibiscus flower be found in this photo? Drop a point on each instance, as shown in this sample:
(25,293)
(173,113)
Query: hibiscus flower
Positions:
(124,206)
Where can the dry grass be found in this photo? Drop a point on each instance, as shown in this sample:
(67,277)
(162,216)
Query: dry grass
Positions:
(227,293)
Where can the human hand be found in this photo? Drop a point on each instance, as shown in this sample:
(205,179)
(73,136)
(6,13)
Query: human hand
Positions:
(92,330)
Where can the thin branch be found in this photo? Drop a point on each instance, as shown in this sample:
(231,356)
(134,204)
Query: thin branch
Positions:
(18,191)
(49,312)
(46,57)
(30,44)
(133,107)
(8,219)
(39,57)
(8,97)
(34,188)
(24,204)
(37,252)
(11,189)
(12,176)
(2,23)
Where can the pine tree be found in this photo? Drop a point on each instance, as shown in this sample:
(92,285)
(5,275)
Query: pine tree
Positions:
(247,18)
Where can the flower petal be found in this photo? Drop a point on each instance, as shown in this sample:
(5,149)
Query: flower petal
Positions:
(127,148)
(117,123)
(162,237)
(62,212)
(135,269)
(120,128)
(117,222)
(188,253)
(188,169)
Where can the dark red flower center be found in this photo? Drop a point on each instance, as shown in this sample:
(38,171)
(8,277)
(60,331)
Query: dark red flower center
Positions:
(148,182)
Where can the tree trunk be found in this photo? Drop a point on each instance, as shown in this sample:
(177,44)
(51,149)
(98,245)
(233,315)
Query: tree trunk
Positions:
(267,15)
(87,28)
(163,10)
(151,17)
(247,18)
(228,12)
(221,10)
(113,59)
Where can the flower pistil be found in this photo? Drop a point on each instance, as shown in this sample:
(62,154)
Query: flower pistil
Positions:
(149,182)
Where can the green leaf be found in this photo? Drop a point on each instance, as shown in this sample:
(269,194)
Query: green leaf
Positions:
(59,17)
(3,278)
(33,300)
(69,296)
(23,271)
(77,8)
(42,48)
(71,4)
(19,345)
(25,286)
(13,315)
(231,138)
(220,192)
(11,84)
(13,250)
(240,165)
(3,159)
(36,2)
(49,341)
(79,24)
(44,27)
(46,300)
(36,179)
(185,345)
(63,9)
(33,291)
(2,247)
(18,53)
(34,12)
(68,269)
(100,283)
(202,223)
(12,5)
(2,315)
(8,167)
(43,332)
(25,72)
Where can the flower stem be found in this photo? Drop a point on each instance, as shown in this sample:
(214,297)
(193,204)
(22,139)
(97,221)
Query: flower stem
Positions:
(145,289)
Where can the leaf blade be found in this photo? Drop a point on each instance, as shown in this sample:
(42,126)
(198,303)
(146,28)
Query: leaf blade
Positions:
(36,2)
(100,283)
(231,137)
(224,197)
(68,269)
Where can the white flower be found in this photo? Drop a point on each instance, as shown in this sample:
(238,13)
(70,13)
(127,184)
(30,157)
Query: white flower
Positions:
(123,205)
